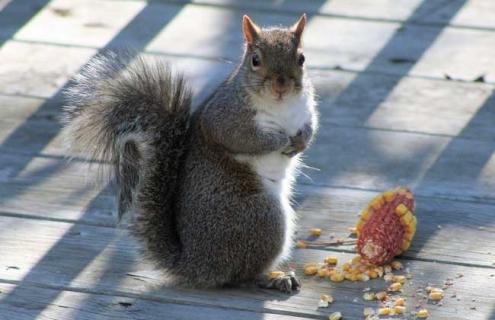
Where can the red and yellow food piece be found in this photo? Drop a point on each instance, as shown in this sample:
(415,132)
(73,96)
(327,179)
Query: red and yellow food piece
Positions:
(386,226)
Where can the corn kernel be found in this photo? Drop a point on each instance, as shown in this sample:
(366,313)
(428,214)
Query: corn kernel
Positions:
(326,297)
(372,274)
(399,309)
(356,260)
(301,244)
(322,272)
(384,311)
(388,277)
(368,312)
(396,265)
(352,230)
(379,270)
(369,296)
(382,295)
(276,274)
(423,313)
(400,302)
(365,215)
(387,268)
(401,210)
(389,196)
(362,277)
(346,266)
(310,269)
(315,232)
(337,277)
(405,245)
(394,287)
(335,316)
(377,202)
(331,260)
(435,295)
(407,218)
(400,279)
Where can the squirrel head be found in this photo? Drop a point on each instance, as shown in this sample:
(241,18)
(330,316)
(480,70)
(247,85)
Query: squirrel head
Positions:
(273,61)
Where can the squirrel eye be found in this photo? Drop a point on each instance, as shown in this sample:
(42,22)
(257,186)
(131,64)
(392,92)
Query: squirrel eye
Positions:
(255,60)
(301,59)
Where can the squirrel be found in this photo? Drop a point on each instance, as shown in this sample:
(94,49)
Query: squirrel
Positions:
(209,189)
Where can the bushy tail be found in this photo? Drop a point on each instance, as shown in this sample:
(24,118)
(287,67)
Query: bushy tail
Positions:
(135,115)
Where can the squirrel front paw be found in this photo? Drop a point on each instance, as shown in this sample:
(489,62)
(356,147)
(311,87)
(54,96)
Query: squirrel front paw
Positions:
(296,145)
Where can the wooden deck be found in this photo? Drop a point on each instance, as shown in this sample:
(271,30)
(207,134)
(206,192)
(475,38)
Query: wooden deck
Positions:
(406,98)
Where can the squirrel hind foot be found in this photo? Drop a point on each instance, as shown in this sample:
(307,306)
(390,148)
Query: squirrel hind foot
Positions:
(287,283)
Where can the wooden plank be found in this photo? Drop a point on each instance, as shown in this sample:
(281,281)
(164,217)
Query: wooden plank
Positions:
(28,302)
(465,14)
(99,260)
(33,77)
(384,47)
(377,160)
(474,14)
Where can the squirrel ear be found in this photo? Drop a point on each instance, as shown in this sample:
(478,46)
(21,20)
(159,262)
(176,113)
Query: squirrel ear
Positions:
(250,29)
(298,27)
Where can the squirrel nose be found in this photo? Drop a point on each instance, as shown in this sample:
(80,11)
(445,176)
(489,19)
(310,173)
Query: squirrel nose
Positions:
(279,85)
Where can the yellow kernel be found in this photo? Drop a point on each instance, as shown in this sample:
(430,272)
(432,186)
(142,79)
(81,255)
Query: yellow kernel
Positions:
(400,302)
(394,287)
(389,196)
(423,313)
(335,316)
(399,309)
(276,274)
(337,277)
(435,295)
(372,274)
(322,272)
(388,277)
(301,244)
(331,260)
(407,218)
(365,215)
(346,266)
(377,202)
(384,311)
(387,268)
(400,279)
(405,245)
(327,298)
(363,277)
(401,210)
(368,312)
(382,295)
(315,232)
(310,269)
(379,271)
(356,260)
(396,265)
(369,296)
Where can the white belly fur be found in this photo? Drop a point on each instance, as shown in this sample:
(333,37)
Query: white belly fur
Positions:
(277,171)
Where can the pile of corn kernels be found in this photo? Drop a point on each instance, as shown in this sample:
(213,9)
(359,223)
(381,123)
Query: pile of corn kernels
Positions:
(390,301)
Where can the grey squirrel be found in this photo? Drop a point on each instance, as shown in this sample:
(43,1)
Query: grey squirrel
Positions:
(210,189)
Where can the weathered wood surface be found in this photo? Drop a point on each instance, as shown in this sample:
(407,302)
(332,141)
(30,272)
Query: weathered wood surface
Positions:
(95,259)
(27,302)
(398,103)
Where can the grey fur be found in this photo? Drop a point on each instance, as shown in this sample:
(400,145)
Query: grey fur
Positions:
(201,215)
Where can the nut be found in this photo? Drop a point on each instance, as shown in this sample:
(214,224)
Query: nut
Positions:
(315,232)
